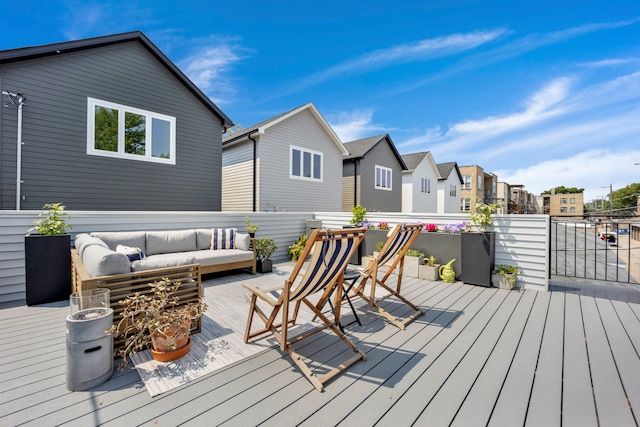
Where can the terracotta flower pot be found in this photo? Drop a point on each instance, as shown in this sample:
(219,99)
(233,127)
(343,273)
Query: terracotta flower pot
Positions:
(171,345)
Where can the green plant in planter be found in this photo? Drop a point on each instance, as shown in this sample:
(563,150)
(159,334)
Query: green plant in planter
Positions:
(414,252)
(379,246)
(483,214)
(359,215)
(296,249)
(508,271)
(431,261)
(265,247)
(251,227)
(54,221)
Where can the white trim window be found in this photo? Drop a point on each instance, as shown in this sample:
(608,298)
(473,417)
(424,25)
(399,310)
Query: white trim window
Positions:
(115,130)
(305,164)
(383,178)
(453,190)
(466,184)
(426,185)
(465,205)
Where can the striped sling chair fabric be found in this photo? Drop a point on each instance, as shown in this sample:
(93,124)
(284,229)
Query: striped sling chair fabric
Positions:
(392,255)
(330,251)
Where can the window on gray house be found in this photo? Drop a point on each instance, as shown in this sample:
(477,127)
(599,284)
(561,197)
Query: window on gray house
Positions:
(425,185)
(383,178)
(115,130)
(305,164)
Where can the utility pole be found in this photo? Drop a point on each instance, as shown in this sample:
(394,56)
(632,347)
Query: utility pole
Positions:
(610,201)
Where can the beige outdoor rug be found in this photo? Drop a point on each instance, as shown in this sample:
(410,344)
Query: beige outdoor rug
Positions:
(221,341)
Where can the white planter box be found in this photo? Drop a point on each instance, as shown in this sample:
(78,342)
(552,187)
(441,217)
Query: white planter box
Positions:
(412,264)
(428,272)
(501,281)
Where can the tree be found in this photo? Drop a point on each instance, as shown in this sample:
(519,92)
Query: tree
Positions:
(625,200)
(565,190)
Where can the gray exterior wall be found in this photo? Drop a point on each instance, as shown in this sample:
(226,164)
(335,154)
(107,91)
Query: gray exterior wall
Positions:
(374,199)
(55,165)
(277,189)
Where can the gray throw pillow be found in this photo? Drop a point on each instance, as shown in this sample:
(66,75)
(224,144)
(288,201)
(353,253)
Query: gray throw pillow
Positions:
(100,261)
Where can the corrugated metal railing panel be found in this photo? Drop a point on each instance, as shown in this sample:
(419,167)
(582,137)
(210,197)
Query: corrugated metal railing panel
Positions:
(521,239)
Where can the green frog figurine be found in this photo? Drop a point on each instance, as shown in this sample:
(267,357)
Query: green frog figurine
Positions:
(446,272)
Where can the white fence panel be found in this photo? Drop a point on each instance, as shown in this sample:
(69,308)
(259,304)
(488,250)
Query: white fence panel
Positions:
(521,239)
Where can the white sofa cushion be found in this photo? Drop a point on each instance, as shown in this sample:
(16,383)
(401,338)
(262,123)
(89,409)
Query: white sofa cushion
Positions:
(83,240)
(243,242)
(221,256)
(165,242)
(101,261)
(136,239)
(152,262)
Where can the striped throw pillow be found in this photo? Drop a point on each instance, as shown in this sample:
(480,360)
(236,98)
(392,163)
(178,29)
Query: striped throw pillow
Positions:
(223,238)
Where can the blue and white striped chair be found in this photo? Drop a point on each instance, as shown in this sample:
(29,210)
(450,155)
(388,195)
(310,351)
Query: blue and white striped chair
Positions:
(330,253)
(391,255)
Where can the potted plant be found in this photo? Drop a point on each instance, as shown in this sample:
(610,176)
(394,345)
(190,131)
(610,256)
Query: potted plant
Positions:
(296,249)
(505,276)
(429,271)
(413,259)
(265,247)
(359,215)
(48,257)
(156,320)
(251,227)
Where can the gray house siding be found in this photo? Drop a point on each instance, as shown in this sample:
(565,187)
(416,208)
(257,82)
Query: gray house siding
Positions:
(380,200)
(55,164)
(294,195)
(237,177)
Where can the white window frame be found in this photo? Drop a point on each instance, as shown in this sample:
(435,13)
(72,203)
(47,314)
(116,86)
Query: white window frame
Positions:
(425,185)
(121,154)
(313,154)
(466,184)
(465,205)
(453,190)
(480,179)
(388,176)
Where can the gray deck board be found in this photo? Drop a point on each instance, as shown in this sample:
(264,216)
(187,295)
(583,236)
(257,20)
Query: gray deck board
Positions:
(478,357)
(546,395)
(611,401)
(578,407)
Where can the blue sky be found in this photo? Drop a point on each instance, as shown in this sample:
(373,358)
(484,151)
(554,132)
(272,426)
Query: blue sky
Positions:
(540,93)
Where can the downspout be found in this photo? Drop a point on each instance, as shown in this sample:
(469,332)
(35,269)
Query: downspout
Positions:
(255,172)
(19,99)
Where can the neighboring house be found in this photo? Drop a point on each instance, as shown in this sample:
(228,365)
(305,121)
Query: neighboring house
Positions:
(291,162)
(420,183)
(372,175)
(563,204)
(449,187)
(107,123)
(477,186)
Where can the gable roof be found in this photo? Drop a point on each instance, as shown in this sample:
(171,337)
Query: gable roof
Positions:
(55,49)
(261,127)
(358,149)
(413,160)
(445,170)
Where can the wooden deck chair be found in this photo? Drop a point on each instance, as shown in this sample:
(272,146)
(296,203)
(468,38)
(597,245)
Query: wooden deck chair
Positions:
(330,253)
(399,241)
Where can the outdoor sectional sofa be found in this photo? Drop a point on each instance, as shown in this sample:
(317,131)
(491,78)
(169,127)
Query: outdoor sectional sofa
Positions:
(99,260)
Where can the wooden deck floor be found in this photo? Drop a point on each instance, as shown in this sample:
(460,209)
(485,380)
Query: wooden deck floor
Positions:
(478,357)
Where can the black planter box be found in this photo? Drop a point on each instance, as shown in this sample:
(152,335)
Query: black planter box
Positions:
(265,266)
(443,246)
(478,258)
(47,268)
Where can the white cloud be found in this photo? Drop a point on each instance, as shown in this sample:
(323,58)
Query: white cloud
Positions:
(353,125)
(591,170)
(210,66)
(612,62)
(403,53)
